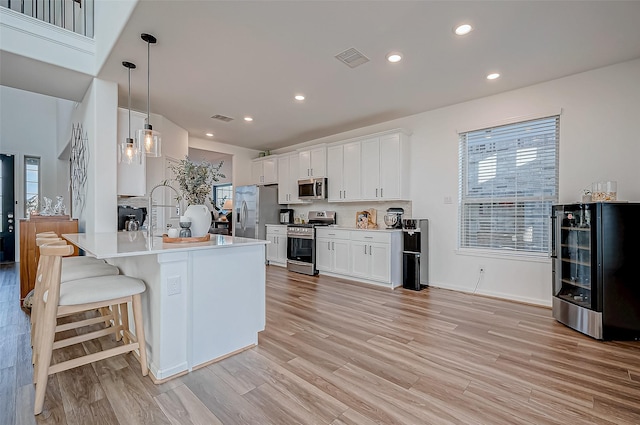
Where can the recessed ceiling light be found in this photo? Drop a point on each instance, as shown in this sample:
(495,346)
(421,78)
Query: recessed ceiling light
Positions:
(493,76)
(394,57)
(209,134)
(248,119)
(299,97)
(463,29)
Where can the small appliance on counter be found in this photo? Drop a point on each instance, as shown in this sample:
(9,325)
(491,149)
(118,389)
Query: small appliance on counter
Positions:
(393,218)
(286,216)
(415,253)
(131,218)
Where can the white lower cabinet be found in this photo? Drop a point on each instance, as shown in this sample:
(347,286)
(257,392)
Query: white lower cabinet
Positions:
(371,256)
(332,251)
(277,249)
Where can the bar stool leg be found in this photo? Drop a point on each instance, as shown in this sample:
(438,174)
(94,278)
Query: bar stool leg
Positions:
(124,320)
(44,342)
(142,345)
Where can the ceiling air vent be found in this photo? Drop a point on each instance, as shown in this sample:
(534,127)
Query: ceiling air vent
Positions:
(352,58)
(222,118)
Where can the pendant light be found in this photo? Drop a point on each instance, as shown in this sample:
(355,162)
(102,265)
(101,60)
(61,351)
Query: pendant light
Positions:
(129,150)
(148,139)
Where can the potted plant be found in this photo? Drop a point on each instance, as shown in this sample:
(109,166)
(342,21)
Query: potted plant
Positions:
(195,182)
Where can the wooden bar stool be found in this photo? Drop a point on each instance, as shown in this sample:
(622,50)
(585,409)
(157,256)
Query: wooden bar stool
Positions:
(74,297)
(73,271)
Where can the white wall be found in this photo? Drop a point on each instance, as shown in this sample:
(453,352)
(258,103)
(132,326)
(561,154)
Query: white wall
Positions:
(598,141)
(98,115)
(110,19)
(215,158)
(242,157)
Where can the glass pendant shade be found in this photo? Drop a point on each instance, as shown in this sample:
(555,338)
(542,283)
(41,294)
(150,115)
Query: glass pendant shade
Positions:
(149,141)
(129,152)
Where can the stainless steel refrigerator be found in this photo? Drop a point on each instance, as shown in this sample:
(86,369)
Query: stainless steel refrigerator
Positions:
(254,207)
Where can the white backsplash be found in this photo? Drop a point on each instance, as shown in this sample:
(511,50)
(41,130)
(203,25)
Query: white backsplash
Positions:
(346,211)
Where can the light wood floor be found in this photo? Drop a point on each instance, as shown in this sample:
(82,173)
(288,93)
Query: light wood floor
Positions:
(337,352)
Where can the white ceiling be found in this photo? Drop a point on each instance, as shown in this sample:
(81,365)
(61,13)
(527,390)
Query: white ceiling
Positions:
(249,58)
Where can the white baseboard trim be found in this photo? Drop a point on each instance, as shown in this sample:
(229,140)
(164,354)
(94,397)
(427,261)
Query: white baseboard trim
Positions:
(495,294)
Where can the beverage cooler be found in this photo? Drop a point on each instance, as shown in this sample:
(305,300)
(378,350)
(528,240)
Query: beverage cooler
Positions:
(595,249)
(415,253)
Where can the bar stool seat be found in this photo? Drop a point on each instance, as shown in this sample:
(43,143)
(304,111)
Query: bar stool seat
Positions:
(95,289)
(77,271)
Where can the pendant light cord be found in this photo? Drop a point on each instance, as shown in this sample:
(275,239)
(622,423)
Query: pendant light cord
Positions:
(148,84)
(129,104)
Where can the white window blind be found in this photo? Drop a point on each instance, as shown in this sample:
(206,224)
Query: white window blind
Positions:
(508,182)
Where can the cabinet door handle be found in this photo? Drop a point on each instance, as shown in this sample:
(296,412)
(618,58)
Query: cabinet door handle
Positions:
(370,249)
(333,246)
(365,250)
(345,194)
(368,237)
(329,246)
(376,192)
(312,171)
(381,193)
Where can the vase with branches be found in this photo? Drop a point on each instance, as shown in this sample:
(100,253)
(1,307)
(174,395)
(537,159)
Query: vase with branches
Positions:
(195,182)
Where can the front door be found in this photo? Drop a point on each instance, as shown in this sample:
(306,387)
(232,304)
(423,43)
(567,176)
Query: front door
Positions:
(7,202)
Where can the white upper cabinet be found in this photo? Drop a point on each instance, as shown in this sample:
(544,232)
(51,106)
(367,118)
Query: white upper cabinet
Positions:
(344,173)
(382,168)
(313,162)
(132,179)
(264,171)
(372,168)
(288,179)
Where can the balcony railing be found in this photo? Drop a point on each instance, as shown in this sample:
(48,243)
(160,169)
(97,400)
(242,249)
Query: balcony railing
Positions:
(73,15)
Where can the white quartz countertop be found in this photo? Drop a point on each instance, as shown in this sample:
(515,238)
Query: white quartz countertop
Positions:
(379,229)
(127,244)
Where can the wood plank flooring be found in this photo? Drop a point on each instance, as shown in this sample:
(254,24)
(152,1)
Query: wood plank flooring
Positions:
(342,353)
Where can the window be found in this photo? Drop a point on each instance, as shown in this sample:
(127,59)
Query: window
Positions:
(221,193)
(508,182)
(31,183)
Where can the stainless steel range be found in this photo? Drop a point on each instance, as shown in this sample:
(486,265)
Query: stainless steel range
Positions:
(301,242)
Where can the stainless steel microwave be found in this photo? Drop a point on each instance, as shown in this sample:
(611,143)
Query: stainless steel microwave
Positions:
(312,188)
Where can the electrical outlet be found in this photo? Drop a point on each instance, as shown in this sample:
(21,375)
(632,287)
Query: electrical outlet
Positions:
(448,200)
(174,285)
(482,269)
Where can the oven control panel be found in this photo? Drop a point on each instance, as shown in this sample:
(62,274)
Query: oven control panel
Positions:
(300,232)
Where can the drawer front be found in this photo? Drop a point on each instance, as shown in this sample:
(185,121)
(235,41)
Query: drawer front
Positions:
(277,229)
(333,233)
(365,236)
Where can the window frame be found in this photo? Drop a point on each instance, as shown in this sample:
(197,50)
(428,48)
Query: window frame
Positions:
(519,203)
(25,181)
(215,193)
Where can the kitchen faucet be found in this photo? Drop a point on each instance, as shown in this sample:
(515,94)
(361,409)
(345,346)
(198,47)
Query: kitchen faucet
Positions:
(150,215)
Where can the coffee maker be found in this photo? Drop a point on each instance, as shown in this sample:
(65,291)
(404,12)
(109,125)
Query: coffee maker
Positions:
(393,218)
(286,216)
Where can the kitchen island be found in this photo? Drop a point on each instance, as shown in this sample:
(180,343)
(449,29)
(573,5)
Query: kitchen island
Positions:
(204,301)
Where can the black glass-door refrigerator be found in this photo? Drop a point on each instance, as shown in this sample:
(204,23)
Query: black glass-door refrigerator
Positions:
(595,249)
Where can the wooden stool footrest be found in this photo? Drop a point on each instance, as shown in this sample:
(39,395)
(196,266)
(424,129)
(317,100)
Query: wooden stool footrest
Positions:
(82,338)
(90,358)
(82,323)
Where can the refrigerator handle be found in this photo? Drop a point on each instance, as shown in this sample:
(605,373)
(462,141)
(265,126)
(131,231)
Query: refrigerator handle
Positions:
(245,210)
(552,248)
